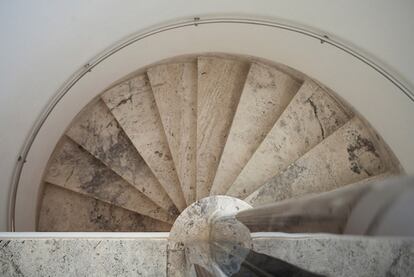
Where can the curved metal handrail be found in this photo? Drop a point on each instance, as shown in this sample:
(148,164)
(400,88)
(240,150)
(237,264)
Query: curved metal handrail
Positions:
(80,73)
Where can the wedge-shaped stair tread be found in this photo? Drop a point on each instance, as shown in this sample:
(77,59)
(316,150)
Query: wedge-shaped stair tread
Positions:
(347,156)
(133,105)
(325,212)
(220,83)
(66,211)
(265,95)
(74,169)
(97,131)
(175,91)
(311,116)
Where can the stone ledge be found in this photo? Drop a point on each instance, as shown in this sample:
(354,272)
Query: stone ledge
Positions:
(338,256)
(83,257)
(138,254)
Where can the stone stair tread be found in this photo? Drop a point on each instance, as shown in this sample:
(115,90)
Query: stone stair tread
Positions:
(220,83)
(341,255)
(175,91)
(266,93)
(66,211)
(347,156)
(97,131)
(311,117)
(75,169)
(324,212)
(133,105)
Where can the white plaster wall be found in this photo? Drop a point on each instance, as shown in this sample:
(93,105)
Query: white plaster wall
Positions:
(43,42)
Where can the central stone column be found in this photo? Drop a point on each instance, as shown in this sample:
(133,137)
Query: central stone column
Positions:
(207,234)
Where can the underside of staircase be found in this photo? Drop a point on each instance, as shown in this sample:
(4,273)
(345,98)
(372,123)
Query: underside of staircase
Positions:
(192,127)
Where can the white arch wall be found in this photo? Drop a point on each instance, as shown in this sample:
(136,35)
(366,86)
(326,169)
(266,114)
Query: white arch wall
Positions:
(44,42)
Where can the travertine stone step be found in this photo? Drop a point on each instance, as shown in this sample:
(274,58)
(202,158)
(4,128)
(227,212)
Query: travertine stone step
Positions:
(265,95)
(80,255)
(66,211)
(338,256)
(220,83)
(75,169)
(311,117)
(133,105)
(343,256)
(175,91)
(325,212)
(97,131)
(347,156)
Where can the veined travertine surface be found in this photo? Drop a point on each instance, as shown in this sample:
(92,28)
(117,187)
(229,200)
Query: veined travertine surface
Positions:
(325,212)
(347,156)
(175,91)
(76,170)
(212,124)
(310,118)
(220,83)
(199,227)
(133,105)
(266,93)
(343,256)
(83,257)
(66,211)
(97,131)
(340,256)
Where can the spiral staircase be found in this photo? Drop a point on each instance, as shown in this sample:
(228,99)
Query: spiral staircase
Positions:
(162,148)
(198,126)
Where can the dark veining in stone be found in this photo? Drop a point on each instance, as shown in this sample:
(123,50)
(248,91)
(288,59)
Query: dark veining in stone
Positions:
(77,170)
(140,120)
(69,176)
(63,210)
(361,145)
(400,265)
(100,219)
(99,133)
(310,118)
(347,156)
(3,243)
(315,111)
(98,182)
(279,187)
(8,265)
(124,101)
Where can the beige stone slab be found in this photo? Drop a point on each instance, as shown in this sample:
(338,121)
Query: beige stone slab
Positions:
(77,256)
(97,131)
(325,212)
(62,210)
(175,91)
(347,156)
(220,83)
(311,116)
(265,95)
(75,169)
(343,256)
(133,105)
